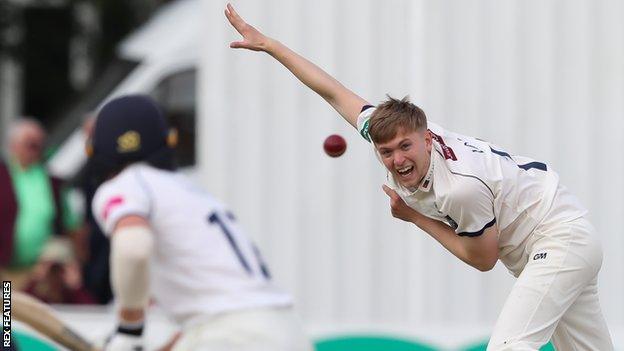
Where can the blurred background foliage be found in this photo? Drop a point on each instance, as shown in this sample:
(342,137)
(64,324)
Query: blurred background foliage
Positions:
(59,48)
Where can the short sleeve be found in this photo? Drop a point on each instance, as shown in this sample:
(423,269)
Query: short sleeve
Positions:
(364,120)
(470,207)
(122,196)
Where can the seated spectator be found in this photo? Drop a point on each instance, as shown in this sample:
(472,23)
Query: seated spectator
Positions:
(34,207)
(56,278)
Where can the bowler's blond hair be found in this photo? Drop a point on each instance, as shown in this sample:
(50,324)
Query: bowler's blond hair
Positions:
(392,115)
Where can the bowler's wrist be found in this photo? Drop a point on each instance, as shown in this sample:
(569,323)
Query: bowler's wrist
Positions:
(271,46)
(417,219)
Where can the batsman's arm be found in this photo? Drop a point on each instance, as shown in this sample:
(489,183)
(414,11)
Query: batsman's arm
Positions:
(131,248)
(132,244)
(343,100)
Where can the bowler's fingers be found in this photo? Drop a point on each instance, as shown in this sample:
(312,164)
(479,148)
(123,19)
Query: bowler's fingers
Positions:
(228,15)
(239,24)
(235,20)
(390,192)
(395,199)
(238,45)
(386,190)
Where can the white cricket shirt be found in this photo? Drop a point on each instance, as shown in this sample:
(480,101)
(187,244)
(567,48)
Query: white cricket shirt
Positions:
(203,262)
(472,185)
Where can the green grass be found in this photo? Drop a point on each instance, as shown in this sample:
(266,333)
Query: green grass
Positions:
(385,343)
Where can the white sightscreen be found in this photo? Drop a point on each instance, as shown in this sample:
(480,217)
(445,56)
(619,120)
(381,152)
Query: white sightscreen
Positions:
(540,78)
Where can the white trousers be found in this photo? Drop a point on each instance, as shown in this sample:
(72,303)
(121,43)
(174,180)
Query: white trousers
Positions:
(556,295)
(262,329)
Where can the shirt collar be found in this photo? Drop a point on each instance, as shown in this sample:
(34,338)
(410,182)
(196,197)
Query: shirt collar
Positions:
(427,181)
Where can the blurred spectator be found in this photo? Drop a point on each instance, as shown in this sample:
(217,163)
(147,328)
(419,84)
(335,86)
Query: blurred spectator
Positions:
(57,278)
(33,207)
(95,270)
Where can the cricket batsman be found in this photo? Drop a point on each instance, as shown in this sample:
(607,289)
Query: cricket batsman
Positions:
(174,243)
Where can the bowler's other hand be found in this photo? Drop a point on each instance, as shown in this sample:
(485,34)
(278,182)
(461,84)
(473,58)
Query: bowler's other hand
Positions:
(398,207)
(252,38)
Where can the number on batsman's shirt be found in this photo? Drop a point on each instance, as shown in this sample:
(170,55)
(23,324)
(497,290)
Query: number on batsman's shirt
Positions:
(204,262)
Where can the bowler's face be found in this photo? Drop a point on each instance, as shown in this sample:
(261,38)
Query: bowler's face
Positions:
(407,156)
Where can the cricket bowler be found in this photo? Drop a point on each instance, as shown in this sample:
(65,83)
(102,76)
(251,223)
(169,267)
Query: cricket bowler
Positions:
(482,204)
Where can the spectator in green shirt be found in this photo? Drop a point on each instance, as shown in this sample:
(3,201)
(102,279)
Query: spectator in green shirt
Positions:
(33,207)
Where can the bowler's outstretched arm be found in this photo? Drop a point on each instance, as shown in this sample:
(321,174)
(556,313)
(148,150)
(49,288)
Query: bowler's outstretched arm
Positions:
(343,100)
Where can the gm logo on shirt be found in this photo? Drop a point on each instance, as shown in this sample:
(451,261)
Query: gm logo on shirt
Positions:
(539,256)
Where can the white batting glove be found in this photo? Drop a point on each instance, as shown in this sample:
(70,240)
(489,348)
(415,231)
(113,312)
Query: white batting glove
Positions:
(121,341)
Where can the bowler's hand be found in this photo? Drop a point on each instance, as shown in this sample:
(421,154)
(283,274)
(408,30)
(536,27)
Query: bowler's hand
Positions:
(252,38)
(399,208)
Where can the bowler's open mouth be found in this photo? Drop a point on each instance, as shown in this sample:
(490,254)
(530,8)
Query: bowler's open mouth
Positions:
(405,171)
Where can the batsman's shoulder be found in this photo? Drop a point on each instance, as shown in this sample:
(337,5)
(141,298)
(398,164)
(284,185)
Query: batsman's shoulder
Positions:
(124,187)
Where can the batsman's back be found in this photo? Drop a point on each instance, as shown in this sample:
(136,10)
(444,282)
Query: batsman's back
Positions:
(203,262)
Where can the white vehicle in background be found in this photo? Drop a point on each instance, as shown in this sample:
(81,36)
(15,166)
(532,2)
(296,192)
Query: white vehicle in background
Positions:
(154,60)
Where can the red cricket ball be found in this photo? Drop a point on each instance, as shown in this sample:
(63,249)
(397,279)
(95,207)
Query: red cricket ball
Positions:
(335,145)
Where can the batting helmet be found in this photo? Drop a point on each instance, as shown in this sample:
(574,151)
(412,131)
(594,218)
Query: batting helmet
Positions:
(131,129)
